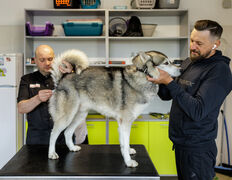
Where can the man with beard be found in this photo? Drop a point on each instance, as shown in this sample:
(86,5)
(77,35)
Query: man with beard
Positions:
(197,95)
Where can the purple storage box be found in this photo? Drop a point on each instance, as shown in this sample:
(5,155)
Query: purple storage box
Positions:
(39,30)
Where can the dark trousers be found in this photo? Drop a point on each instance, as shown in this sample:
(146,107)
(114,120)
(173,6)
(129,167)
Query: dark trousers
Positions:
(193,165)
(86,141)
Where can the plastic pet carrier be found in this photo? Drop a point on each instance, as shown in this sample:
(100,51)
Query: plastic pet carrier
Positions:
(37,30)
(90,4)
(143,4)
(66,3)
(83,27)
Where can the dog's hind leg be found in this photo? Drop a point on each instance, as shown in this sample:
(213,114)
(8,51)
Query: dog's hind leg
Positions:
(63,110)
(58,127)
(78,119)
(124,128)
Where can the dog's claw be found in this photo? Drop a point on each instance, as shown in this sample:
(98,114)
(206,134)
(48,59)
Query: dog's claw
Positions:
(75,148)
(53,155)
(132,151)
(132,163)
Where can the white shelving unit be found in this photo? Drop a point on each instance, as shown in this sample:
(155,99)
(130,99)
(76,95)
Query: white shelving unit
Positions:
(171,35)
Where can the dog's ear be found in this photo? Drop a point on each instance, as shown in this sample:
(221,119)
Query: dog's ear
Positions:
(144,57)
(157,57)
(141,59)
(138,62)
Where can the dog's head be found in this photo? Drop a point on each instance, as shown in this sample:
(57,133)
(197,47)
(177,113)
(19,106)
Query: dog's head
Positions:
(147,62)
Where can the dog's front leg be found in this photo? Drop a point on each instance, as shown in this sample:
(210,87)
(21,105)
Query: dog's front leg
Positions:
(124,137)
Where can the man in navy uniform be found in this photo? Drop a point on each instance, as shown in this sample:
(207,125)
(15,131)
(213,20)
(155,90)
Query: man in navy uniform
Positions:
(34,92)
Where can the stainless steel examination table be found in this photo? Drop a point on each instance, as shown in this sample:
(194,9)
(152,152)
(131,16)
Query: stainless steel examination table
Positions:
(92,162)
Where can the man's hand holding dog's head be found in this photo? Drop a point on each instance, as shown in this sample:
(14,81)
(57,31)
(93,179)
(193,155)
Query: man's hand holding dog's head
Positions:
(164,78)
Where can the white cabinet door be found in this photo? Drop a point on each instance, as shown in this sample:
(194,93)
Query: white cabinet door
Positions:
(8,124)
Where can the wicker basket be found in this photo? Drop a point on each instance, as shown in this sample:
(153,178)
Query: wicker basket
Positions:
(143,4)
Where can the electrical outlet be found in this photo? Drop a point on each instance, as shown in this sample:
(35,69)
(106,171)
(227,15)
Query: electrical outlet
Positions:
(226,4)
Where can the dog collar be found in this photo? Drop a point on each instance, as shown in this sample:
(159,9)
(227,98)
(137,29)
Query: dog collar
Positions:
(145,68)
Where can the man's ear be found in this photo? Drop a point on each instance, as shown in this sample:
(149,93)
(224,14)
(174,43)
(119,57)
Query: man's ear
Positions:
(217,43)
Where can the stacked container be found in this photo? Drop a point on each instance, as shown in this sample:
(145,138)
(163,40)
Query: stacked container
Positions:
(66,3)
(83,27)
(168,4)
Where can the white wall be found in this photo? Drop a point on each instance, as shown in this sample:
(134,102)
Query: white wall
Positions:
(12,16)
(207,9)
(12,25)
(11,11)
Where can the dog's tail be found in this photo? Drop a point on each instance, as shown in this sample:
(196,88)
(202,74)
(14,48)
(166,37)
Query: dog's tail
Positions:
(76,58)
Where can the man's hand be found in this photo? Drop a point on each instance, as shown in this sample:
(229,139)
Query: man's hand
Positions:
(26,106)
(44,95)
(66,67)
(164,78)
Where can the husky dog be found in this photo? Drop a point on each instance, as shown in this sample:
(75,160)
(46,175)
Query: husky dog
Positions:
(118,92)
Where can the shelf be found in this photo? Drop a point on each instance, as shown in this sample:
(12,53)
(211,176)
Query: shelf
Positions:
(102,37)
(148,38)
(64,12)
(171,35)
(112,12)
(64,37)
(148,12)
(91,64)
(32,65)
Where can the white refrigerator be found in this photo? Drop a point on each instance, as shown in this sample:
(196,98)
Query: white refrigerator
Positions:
(11,122)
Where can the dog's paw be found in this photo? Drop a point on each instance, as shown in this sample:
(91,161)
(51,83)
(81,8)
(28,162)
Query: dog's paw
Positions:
(132,163)
(75,148)
(132,151)
(53,155)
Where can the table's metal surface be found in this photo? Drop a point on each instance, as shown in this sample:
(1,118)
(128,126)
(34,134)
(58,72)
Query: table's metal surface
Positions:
(92,162)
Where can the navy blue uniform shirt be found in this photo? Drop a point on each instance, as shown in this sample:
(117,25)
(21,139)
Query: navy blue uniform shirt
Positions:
(39,120)
(197,94)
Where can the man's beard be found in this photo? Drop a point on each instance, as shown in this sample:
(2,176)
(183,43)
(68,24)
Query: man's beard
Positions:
(198,57)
